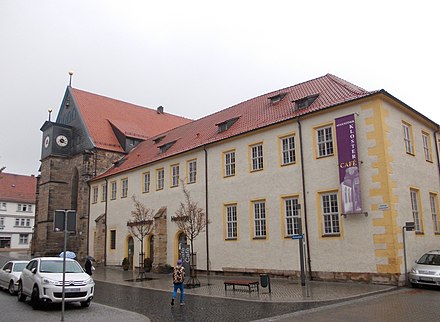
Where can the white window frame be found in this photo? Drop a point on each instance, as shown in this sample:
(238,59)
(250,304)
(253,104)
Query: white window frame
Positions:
(160,179)
(434,212)
(192,171)
(231,221)
(124,188)
(257,157)
(114,187)
(407,138)
(104,192)
(94,194)
(426,139)
(2,205)
(415,208)
(324,141)
(288,153)
(2,222)
(291,216)
(229,159)
(17,222)
(331,224)
(260,222)
(147,181)
(28,222)
(23,239)
(175,175)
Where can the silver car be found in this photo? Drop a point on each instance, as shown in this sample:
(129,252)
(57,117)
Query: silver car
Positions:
(426,271)
(10,274)
(42,281)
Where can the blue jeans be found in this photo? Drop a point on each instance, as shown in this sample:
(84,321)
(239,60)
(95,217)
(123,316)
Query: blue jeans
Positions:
(178,286)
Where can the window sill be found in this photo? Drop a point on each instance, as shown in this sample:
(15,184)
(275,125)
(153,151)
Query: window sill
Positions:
(260,238)
(231,239)
(331,235)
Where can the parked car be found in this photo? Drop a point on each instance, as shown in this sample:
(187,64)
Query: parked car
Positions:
(42,281)
(426,271)
(10,274)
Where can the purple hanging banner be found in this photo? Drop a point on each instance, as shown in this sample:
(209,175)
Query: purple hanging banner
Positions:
(348,165)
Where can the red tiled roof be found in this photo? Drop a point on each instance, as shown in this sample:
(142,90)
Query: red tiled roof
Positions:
(253,114)
(17,188)
(99,112)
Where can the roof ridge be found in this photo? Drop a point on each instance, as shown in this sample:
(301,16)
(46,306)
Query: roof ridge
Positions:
(347,85)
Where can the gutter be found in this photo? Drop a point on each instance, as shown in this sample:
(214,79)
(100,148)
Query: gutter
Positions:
(105,222)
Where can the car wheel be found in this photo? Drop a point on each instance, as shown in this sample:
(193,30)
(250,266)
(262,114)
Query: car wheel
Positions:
(11,287)
(35,298)
(20,295)
(86,303)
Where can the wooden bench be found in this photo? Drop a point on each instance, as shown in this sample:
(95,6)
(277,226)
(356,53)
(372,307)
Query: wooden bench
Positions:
(249,283)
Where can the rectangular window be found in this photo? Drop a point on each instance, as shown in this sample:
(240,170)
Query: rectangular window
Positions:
(324,141)
(124,190)
(17,221)
(114,189)
(192,171)
(24,239)
(330,213)
(24,208)
(407,138)
(231,222)
(2,222)
(112,239)
(147,179)
(257,157)
(94,194)
(288,150)
(259,208)
(28,222)
(160,179)
(175,175)
(104,193)
(2,205)
(416,210)
(292,216)
(22,222)
(229,159)
(434,206)
(427,146)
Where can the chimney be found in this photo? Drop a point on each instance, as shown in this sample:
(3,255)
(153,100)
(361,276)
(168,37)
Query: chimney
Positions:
(160,110)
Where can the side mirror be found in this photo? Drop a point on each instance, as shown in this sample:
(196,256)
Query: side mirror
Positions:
(34,270)
(8,270)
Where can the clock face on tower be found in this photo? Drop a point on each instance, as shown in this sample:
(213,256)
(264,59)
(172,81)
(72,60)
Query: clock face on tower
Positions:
(46,141)
(62,140)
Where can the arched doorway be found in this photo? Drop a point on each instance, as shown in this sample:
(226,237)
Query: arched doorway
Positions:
(130,244)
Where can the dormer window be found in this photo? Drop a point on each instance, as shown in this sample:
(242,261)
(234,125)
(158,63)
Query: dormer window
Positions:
(158,139)
(166,146)
(305,101)
(223,126)
(277,98)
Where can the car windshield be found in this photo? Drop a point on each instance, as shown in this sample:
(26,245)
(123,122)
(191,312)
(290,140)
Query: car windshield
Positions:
(52,266)
(18,267)
(429,259)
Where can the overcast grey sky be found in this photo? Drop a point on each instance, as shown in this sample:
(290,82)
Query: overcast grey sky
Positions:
(197,57)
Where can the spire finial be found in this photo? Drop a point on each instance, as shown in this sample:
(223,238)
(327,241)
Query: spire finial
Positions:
(70,78)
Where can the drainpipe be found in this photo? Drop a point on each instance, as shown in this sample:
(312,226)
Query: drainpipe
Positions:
(105,222)
(304,199)
(206,209)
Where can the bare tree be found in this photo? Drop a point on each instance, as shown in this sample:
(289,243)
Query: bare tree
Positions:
(191,220)
(140,226)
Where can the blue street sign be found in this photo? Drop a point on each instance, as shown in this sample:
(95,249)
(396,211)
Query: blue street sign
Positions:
(298,236)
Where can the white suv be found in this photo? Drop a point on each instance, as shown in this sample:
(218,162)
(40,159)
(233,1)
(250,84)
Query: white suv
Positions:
(42,280)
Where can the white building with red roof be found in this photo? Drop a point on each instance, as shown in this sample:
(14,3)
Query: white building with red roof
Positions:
(341,167)
(17,210)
